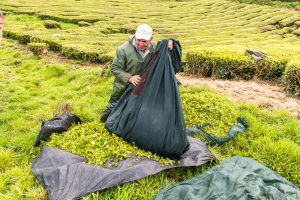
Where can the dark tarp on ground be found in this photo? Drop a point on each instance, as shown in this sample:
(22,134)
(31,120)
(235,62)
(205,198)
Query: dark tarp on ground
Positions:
(237,178)
(238,127)
(57,124)
(150,114)
(66,176)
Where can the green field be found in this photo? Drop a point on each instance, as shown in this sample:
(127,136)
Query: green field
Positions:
(31,87)
(197,24)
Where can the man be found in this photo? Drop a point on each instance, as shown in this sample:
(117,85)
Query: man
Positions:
(131,57)
(1,25)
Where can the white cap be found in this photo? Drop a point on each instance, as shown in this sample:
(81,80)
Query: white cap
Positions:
(143,31)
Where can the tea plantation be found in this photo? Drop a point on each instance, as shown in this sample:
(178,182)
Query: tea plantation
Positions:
(214,36)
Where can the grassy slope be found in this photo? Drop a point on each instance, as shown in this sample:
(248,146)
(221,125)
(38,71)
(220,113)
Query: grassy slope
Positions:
(31,89)
(197,24)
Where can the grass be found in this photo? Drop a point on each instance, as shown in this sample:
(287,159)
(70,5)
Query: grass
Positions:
(32,87)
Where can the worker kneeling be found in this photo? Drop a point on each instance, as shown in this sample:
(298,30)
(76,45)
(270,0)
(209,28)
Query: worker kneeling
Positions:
(149,114)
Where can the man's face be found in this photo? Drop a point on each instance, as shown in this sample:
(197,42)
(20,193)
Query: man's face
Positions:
(142,45)
(1,22)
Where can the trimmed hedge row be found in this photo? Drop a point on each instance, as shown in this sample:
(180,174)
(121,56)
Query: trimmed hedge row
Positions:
(291,79)
(51,24)
(64,19)
(223,65)
(69,52)
(229,65)
(279,3)
(84,23)
(44,16)
(38,48)
(77,54)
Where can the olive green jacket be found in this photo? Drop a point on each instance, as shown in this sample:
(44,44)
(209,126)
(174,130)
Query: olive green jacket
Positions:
(127,62)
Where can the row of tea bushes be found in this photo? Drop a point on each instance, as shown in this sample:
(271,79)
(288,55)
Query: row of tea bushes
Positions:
(74,52)
(229,65)
(224,65)
(279,3)
(38,48)
(220,64)
(291,78)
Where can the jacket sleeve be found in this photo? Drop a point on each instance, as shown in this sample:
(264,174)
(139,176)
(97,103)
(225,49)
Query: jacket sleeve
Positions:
(118,67)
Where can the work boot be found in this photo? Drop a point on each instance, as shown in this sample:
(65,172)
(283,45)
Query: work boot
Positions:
(178,82)
(107,112)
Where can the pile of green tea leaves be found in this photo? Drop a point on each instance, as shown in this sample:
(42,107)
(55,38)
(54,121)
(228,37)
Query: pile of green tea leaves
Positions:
(92,141)
(201,105)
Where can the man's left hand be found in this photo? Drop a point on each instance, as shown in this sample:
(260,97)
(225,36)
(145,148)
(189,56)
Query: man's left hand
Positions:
(170,45)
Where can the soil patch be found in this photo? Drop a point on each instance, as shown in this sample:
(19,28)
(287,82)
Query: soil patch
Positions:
(264,94)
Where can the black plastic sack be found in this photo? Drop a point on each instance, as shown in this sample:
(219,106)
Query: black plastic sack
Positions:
(236,178)
(57,124)
(150,114)
(67,176)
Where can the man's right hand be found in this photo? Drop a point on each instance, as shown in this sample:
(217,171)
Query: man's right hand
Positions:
(134,79)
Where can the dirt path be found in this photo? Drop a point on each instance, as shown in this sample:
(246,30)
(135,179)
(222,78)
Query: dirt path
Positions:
(263,94)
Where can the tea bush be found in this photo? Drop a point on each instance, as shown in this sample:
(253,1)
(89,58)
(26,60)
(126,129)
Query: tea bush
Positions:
(50,24)
(224,65)
(228,65)
(83,23)
(291,79)
(38,48)
(269,68)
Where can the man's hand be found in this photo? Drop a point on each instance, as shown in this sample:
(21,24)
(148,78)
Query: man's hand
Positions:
(170,45)
(134,79)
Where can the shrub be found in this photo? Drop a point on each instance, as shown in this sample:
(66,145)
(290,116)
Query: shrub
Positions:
(228,65)
(50,24)
(297,32)
(38,48)
(125,30)
(84,55)
(23,39)
(270,68)
(291,78)
(54,46)
(78,54)
(83,23)
(197,64)
(224,65)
